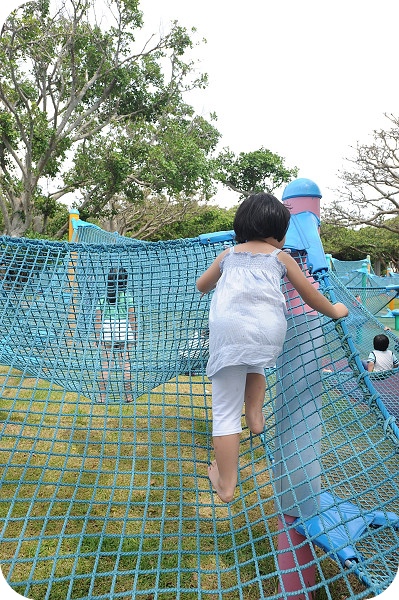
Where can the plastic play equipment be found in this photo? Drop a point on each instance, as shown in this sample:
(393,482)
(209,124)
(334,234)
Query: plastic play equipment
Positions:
(375,292)
(112,500)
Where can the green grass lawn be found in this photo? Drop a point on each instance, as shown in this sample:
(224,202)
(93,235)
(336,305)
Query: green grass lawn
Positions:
(103,499)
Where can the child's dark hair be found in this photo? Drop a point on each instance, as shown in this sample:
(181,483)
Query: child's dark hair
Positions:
(261,216)
(381,342)
(116,283)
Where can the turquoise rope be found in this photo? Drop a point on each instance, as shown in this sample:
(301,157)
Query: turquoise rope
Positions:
(112,500)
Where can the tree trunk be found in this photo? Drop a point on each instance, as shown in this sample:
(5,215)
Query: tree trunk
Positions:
(20,219)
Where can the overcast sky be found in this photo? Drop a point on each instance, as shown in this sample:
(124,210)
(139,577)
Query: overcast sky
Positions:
(306,79)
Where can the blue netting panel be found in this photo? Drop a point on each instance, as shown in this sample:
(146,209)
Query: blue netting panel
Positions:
(374,299)
(363,326)
(370,289)
(112,500)
(346,268)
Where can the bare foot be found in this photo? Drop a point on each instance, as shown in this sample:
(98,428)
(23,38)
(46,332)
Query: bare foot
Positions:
(213,474)
(129,398)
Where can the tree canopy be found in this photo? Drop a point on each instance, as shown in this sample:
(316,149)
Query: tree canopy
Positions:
(354,244)
(252,172)
(207,219)
(370,186)
(92,117)
(87,111)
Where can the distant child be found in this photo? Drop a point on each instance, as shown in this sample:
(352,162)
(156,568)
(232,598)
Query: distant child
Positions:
(247,325)
(116,330)
(381,359)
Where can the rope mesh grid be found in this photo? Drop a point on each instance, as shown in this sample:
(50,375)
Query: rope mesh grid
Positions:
(112,500)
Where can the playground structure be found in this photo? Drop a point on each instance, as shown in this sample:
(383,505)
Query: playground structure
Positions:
(113,501)
(373,291)
(371,301)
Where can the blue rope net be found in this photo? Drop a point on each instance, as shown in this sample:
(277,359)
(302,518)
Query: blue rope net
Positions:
(347,268)
(373,291)
(111,499)
(362,326)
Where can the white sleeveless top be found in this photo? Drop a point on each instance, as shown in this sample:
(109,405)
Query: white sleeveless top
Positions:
(247,317)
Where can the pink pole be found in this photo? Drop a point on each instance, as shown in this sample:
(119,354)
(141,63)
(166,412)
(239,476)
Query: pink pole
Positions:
(294,556)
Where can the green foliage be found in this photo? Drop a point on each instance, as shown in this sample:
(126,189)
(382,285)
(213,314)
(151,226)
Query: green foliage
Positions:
(350,244)
(84,111)
(74,90)
(208,219)
(8,131)
(340,241)
(46,205)
(125,166)
(252,172)
(177,160)
(56,215)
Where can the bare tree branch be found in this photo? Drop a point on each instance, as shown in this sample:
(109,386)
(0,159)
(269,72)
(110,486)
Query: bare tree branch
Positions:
(370,191)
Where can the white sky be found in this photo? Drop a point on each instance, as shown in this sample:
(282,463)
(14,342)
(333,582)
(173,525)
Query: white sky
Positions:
(306,79)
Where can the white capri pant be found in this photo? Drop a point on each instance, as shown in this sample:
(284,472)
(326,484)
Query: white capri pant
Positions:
(228,395)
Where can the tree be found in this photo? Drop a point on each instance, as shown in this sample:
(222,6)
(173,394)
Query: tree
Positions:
(207,219)
(252,172)
(85,111)
(370,192)
(354,244)
(149,175)
(144,219)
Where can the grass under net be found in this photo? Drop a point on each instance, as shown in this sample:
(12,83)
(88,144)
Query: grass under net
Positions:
(112,500)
